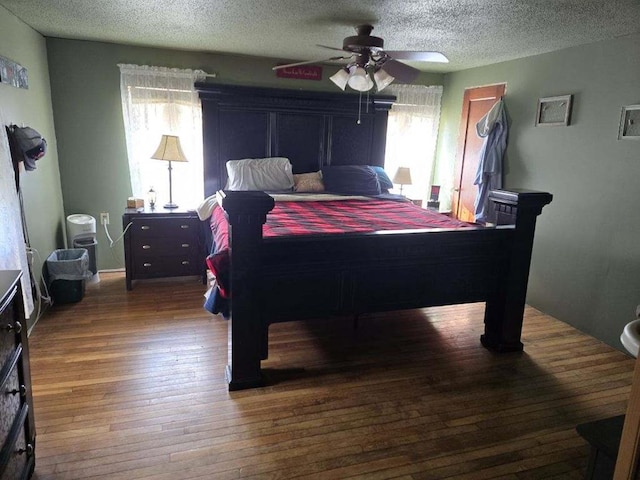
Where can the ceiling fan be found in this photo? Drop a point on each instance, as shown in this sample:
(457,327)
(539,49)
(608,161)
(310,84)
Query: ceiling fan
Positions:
(370,64)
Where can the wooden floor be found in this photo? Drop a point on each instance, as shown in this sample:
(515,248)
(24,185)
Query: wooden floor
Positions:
(130,385)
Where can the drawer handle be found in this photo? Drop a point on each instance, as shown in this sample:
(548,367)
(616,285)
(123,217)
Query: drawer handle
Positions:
(184,226)
(146,264)
(145,227)
(186,262)
(17,327)
(28,450)
(22,390)
(185,245)
(146,247)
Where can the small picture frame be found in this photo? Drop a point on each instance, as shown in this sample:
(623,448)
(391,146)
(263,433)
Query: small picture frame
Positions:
(554,111)
(629,123)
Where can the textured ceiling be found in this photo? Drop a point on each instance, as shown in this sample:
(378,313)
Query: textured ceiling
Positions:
(470,32)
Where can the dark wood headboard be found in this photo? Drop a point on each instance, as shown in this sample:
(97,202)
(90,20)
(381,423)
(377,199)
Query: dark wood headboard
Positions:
(311,129)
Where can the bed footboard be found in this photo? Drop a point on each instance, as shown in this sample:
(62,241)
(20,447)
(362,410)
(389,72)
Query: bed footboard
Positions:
(505,307)
(336,274)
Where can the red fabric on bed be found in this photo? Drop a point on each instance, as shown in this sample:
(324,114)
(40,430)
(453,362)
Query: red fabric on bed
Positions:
(334,217)
(331,217)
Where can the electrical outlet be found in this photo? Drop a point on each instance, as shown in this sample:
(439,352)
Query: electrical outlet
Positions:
(104,218)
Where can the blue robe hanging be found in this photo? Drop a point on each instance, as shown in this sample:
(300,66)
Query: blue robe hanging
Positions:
(494,129)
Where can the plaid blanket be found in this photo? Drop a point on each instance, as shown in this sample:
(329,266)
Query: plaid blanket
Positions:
(328,218)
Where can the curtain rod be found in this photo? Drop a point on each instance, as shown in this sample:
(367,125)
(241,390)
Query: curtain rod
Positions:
(169,71)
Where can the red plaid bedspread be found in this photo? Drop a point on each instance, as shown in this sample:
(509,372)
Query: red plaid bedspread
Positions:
(330,218)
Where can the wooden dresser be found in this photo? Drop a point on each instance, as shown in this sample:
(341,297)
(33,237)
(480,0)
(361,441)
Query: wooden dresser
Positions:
(17,426)
(162,243)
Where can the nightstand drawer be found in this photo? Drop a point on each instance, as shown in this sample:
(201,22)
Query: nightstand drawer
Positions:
(179,247)
(145,229)
(167,266)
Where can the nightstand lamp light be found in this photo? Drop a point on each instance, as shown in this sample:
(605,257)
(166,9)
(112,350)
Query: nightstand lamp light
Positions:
(169,150)
(402,177)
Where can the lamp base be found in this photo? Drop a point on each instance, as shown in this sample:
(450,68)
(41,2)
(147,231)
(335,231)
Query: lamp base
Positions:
(170,205)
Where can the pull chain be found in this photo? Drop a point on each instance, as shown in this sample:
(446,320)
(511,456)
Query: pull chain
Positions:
(359,107)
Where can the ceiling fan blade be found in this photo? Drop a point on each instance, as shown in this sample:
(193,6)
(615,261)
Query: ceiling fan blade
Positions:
(435,57)
(332,48)
(307,62)
(402,72)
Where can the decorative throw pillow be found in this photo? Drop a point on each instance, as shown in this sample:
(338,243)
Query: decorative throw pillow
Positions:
(350,180)
(383,178)
(308,182)
(267,174)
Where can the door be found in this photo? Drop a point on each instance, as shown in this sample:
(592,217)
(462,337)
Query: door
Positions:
(476,103)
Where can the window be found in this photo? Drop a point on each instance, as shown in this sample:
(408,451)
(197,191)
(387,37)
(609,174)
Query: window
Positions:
(412,132)
(157,101)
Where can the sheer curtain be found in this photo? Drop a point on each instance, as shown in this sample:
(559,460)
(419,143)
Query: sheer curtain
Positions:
(13,248)
(157,101)
(411,135)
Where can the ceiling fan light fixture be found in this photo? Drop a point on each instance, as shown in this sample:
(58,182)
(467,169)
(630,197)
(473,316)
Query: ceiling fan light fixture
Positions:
(359,79)
(383,79)
(340,78)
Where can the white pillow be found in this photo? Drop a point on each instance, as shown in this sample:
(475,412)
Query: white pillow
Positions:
(270,174)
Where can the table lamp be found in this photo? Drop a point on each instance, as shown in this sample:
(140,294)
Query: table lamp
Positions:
(402,177)
(169,150)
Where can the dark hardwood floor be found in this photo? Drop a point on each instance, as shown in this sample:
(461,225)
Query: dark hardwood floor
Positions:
(130,385)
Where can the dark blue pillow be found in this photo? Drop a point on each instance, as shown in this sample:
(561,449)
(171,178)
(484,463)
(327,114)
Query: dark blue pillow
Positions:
(350,180)
(383,179)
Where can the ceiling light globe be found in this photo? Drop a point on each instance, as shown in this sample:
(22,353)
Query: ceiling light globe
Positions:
(340,78)
(360,80)
(383,79)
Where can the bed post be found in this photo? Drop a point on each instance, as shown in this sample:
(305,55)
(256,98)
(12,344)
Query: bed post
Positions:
(246,213)
(505,309)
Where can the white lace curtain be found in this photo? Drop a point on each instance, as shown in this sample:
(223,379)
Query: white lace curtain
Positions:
(411,135)
(157,101)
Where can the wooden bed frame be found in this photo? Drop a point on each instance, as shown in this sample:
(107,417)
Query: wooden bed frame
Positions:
(302,277)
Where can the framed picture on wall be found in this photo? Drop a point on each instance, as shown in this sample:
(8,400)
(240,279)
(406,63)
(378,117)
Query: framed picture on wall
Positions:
(554,111)
(630,123)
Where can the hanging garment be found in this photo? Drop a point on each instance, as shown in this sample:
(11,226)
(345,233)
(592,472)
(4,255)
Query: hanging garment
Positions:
(494,129)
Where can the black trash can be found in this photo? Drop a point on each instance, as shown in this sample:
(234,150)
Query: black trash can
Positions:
(66,274)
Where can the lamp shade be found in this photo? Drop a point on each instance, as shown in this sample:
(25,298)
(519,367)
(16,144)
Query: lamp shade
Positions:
(169,149)
(402,176)
(359,80)
(383,79)
(340,78)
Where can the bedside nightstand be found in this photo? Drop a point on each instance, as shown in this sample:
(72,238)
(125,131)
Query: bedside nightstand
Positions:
(162,243)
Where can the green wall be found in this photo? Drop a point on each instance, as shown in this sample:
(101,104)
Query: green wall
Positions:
(41,189)
(85,81)
(586,259)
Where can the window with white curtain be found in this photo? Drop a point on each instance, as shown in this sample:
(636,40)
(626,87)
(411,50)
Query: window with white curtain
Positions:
(158,101)
(412,132)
